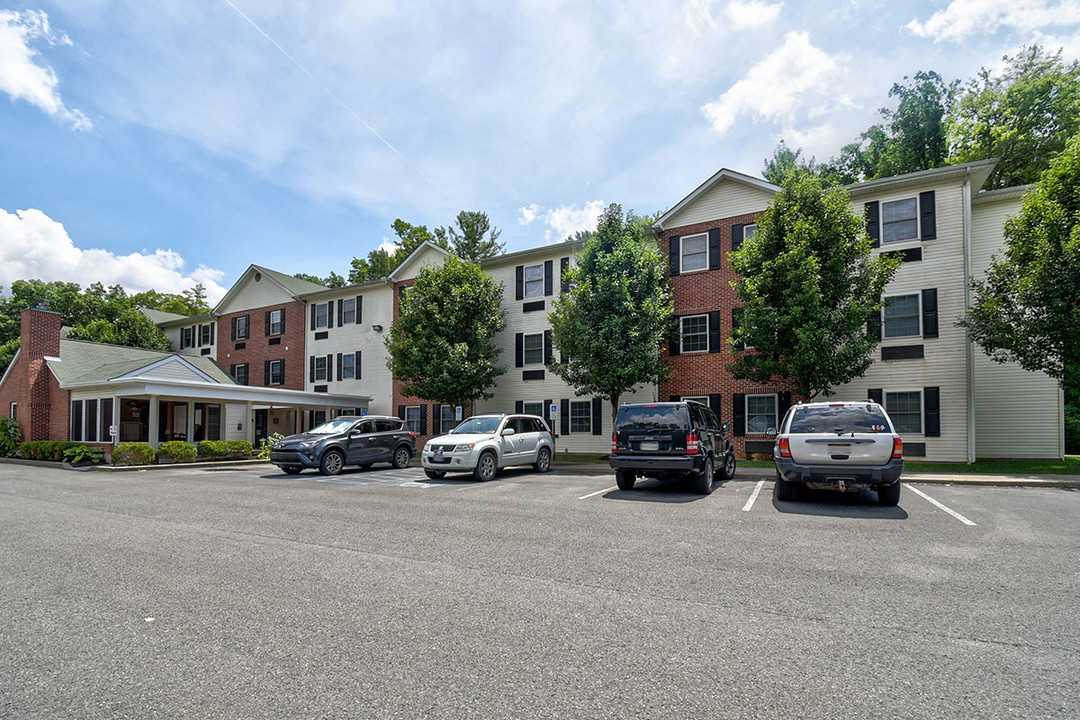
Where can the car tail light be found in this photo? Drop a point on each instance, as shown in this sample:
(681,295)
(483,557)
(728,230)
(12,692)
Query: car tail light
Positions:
(785,447)
(693,447)
(614,444)
(897,447)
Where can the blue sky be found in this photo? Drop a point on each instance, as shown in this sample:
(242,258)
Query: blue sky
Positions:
(163,144)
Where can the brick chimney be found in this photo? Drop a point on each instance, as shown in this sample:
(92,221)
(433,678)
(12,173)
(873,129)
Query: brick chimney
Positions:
(40,338)
(40,333)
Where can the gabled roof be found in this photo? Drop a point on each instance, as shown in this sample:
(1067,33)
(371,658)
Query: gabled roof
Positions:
(402,271)
(977,171)
(664,220)
(292,286)
(553,250)
(160,317)
(87,363)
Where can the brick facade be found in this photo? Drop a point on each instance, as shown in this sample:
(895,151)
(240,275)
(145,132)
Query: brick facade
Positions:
(262,347)
(42,407)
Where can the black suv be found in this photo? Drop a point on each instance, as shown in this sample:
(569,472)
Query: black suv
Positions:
(670,440)
(346,440)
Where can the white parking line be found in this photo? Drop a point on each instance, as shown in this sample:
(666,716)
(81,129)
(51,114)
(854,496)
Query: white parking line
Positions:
(753,496)
(955,514)
(583,497)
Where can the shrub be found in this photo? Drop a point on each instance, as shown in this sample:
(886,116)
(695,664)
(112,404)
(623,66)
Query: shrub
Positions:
(212,449)
(133,453)
(239,449)
(177,451)
(84,453)
(10,436)
(266,444)
(51,450)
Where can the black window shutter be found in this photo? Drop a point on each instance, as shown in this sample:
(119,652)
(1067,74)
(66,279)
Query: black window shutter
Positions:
(547,412)
(929,313)
(312,316)
(423,419)
(564,265)
(330,314)
(357,374)
(735,313)
(873,227)
(564,417)
(329,367)
(932,411)
(597,416)
(783,402)
(266,373)
(340,313)
(436,419)
(519,286)
(401,411)
(359,309)
(282,321)
(736,235)
(339,366)
(198,336)
(519,406)
(268,323)
(714,331)
(738,415)
(232,331)
(876,395)
(927,215)
(232,370)
(716,404)
(247,326)
(714,249)
(547,347)
(549,277)
(673,254)
(282,361)
(213,328)
(675,344)
(873,326)
(519,350)
(311,369)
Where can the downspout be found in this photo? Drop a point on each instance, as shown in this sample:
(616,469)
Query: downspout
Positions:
(969,346)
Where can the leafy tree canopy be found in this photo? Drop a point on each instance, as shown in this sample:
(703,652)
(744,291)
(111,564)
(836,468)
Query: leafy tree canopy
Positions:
(472,237)
(333,280)
(441,345)
(807,285)
(611,322)
(1025,309)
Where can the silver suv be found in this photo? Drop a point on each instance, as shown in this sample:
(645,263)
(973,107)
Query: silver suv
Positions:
(844,446)
(484,444)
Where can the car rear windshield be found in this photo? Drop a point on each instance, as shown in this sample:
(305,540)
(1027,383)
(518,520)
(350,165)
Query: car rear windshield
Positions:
(839,419)
(652,417)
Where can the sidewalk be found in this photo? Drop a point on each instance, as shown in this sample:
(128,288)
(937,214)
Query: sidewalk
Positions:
(925,478)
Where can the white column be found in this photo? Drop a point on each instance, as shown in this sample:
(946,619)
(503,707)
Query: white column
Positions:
(154,425)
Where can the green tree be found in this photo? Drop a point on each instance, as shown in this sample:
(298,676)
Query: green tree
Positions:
(611,322)
(1025,309)
(1024,117)
(473,238)
(807,284)
(441,345)
(785,161)
(130,328)
(333,280)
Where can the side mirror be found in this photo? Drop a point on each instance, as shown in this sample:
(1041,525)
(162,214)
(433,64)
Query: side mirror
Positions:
(507,432)
(726,427)
(771,432)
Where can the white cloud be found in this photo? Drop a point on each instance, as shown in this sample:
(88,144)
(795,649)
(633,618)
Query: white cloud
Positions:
(752,14)
(794,80)
(969,17)
(563,221)
(34,246)
(20,77)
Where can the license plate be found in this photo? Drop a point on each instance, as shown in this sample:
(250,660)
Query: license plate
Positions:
(650,445)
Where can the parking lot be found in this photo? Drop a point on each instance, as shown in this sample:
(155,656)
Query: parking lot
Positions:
(244,592)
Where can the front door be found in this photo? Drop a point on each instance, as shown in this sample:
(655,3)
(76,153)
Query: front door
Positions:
(260,426)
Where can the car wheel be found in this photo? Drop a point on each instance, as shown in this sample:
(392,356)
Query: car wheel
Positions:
(435,474)
(625,479)
(332,462)
(291,470)
(888,494)
(402,457)
(543,460)
(703,481)
(785,491)
(727,468)
(486,467)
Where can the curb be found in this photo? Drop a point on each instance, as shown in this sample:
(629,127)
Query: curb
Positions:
(131,468)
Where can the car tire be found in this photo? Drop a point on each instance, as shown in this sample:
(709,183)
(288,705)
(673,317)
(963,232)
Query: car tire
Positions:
(435,474)
(332,462)
(401,458)
(888,494)
(625,479)
(703,481)
(486,467)
(291,470)
(727,468)
(785,491)
(543,460)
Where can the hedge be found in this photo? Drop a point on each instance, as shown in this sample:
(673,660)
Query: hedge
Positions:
(239,448)
(177,451)
(52,450)
(213,449)
(133,453)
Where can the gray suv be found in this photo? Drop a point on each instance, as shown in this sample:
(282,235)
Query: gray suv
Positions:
(484,444)
(844,446)
(670,440)
(346,440)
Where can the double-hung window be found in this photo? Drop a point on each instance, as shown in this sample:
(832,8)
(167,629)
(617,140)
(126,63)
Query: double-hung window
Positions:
(534,280)
(187,337)
(695,252)
(277,372)
(695,333)
(206,335)
(412,418)
(580,416)
(240,374)
(277,322)
(243,327)
(748,232)
(447,418)
(533,408)
(760,413)
(902,316)
(320,368)
(534,348)
(899,220)
(348,311)
(905,409)
(321,313)
(348,366)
